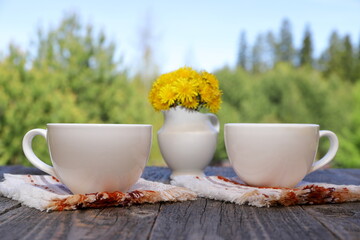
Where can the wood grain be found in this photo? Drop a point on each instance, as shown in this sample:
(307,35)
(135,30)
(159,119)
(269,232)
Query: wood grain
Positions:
(191,220)
(335,176)
(17,169)
(159,174)
(208,219)
(109,223)
(200,219)
(343,220)
(7,205)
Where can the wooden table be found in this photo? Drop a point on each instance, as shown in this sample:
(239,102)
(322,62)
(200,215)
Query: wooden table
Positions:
(200,219)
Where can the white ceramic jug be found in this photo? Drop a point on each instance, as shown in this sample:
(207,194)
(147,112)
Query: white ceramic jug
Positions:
(187,140)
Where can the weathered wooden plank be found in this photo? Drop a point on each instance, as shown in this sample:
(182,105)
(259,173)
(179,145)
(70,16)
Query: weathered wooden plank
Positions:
(335,176)
(115,223)
(110,223)
(159,174)
(332,175)
(220,171)
(208,219)
(202,218)
(7,205)
(341,219)
(20,222)
(280,223)
(353,172)
(18,169)
(162,174)
(187,220)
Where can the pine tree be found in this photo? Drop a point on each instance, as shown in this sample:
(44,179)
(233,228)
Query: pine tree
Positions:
(306,51)
(330,60)
(285,48)
(271,49)
(257,62)
(243,55)
(348,60)
(357,64)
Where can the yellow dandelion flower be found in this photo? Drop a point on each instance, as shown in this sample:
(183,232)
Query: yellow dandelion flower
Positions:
(159,105)
(185,90)
(210,79)
(201,84)
(152,95)
(191,103)
(168,95)
(187,72)
(214,105)
(206,93)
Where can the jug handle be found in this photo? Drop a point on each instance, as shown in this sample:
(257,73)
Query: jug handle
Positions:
(214,121)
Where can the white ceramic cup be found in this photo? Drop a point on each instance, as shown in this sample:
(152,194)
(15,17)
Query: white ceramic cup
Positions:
(276,155)
(90,158)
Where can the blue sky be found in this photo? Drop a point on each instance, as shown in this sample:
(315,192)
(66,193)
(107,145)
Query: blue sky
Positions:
(203,34)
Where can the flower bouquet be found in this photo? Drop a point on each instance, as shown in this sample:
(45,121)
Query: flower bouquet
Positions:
(188,137)
(187,88)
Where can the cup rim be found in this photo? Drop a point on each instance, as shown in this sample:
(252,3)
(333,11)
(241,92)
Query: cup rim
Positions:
(97,125)
(272,124)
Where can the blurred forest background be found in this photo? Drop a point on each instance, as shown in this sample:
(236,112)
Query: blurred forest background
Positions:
(74,77)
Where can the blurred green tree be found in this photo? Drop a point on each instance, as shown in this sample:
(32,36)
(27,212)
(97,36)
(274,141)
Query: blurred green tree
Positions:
(33,100)
(242,60)
(257,55)
(306,51)
(330,60)
(348,60)
(285,50)
(357,64)
(271,50)
(86,62)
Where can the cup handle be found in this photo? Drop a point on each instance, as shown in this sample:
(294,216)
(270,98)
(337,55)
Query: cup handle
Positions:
(29,153)
(214,121)
(334,145)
